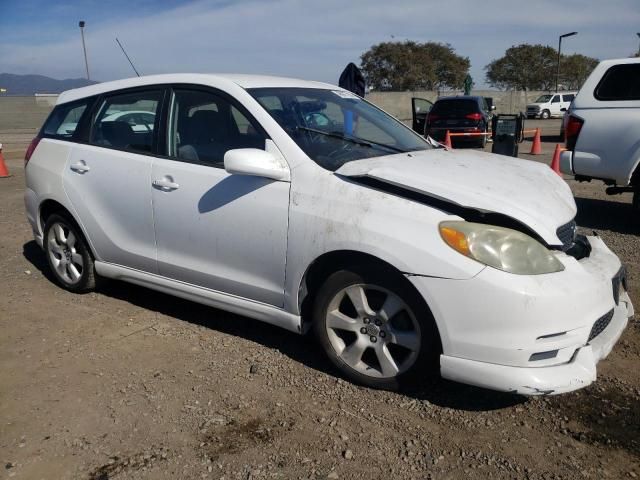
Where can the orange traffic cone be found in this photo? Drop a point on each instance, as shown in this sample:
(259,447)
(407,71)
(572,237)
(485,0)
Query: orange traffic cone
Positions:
(536,148)
(555,163)
(4,173)
(447,140)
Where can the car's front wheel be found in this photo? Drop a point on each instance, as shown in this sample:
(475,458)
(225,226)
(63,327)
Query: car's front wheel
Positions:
(375,327)
(68,256)
(545,114)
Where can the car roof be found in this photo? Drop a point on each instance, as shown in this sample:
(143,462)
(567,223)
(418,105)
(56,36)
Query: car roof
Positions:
(220,79)
(460,97)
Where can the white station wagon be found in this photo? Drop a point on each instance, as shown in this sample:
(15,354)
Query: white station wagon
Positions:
(300,204)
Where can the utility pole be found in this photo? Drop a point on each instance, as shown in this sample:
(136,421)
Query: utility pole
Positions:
(84,47)
(559,47)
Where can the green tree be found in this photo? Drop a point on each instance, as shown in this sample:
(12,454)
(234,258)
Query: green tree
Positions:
(414,66)
(574,70)
(534,67)
(524,67)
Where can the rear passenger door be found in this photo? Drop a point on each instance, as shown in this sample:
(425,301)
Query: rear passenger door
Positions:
(216,230)
(108,179)
(556,104)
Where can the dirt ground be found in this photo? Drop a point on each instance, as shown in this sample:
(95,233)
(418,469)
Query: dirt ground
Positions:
(129,383)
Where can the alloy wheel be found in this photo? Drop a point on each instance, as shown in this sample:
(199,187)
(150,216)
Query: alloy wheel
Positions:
(65,258)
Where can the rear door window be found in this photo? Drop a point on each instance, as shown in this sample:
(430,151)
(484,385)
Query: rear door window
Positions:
(64,120)
(127,121)
(555,99)
(568,97)
(620,82)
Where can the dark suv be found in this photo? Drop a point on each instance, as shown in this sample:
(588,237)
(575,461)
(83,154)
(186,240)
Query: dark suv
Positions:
(463,114)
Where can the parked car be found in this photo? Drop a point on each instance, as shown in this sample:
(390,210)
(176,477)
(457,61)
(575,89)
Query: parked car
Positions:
(302,205)
(462,114)
(602,132)
(550,105)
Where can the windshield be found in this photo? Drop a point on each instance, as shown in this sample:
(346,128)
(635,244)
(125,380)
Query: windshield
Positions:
(543,99)
(334,127)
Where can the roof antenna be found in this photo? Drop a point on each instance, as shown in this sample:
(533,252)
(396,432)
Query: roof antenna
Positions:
(125,54)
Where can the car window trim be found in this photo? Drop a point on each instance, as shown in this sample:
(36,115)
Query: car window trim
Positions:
(162,151)
(162,88)
(88,101)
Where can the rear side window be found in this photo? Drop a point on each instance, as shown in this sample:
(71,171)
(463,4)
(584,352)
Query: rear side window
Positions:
(620,82)
(568,98)
(127,121)
(64,120)
(455,107)
(555,99)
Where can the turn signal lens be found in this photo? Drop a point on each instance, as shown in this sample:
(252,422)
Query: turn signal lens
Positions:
(455,239)
(498,247)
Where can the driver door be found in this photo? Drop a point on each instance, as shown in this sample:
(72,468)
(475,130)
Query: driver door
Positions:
(420,108)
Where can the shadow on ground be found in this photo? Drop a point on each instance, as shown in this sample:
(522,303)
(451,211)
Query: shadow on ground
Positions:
(610,215)
(303,349)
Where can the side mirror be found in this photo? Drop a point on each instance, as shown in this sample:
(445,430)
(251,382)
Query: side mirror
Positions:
(563,109)
(257,163)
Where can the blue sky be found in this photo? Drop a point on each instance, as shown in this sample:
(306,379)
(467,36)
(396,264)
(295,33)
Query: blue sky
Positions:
(300,38)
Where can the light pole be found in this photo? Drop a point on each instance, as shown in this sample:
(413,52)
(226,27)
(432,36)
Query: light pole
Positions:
(559,47)
(84,48)
(639,46)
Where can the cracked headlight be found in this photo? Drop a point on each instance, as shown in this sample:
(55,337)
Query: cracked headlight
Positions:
(501,248)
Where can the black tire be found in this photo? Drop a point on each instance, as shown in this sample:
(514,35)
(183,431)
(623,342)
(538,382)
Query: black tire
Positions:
(483,139)
(86,279)
(424,362)
(545,115)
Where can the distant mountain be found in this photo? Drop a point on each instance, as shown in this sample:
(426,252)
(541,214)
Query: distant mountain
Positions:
(30,84)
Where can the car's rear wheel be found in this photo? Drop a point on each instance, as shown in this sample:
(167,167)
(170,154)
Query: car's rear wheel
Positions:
(545,114)
(68,256)
(375,328)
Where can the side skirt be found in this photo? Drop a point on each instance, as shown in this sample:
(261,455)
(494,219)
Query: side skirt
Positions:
(231,303)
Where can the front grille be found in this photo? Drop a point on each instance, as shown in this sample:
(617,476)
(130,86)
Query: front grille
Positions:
(600,325)
(567,234)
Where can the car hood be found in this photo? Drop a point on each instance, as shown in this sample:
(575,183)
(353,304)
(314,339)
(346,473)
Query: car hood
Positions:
(526,191)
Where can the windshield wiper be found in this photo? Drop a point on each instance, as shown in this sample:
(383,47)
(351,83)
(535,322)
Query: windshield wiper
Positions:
(358,141)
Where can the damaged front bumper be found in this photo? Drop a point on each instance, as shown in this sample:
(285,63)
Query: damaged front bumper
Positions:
(579,372)
(532,335)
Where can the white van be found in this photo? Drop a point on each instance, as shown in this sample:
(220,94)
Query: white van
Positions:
(550,105)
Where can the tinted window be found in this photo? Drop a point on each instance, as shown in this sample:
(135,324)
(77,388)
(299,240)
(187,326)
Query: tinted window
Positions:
(621,82)
(64,120)
(456,107)
(568,98)
(556,99)
(204,126)
(127,121)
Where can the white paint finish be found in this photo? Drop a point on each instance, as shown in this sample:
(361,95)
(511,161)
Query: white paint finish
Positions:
(503,315)
(550,380)
(257,163)
(608,145)
(222,231)
(242,306)
(113,199)
(484,181)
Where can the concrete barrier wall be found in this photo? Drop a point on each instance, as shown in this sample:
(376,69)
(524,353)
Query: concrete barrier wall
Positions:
(23,113)
(30,112)
(398,104)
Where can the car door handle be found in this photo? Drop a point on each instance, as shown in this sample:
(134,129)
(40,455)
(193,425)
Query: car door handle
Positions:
(167,184)
(80,167)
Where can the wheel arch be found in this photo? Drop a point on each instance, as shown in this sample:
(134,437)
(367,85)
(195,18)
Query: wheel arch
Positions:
(329,262)
(51,206)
